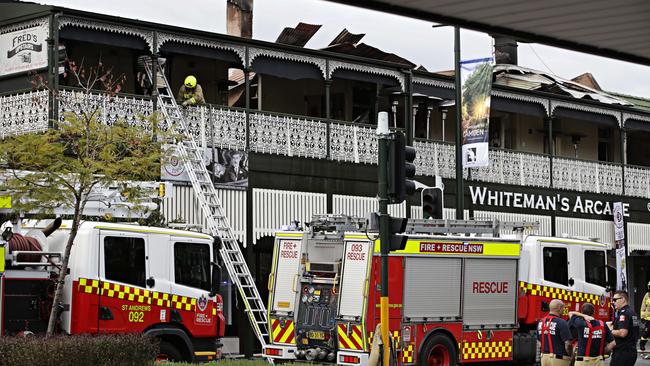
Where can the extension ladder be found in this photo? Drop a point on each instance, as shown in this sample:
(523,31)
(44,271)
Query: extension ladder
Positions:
(217,222)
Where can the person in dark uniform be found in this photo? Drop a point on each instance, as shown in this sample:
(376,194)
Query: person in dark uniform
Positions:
(625,329)
(594,337)
(554,336)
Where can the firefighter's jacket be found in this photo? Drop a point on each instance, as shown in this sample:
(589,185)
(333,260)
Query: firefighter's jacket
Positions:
(645,307)
(188,96)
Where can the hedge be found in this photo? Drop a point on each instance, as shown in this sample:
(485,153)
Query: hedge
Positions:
(105,350)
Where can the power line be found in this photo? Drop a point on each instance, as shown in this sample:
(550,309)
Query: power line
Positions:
(540,59)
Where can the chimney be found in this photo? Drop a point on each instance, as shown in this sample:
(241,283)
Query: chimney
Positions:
(505,50)
(239,17)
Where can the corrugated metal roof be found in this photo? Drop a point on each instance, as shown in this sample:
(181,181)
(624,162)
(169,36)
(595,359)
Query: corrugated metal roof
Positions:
(617,29)
(298,36)
(525,78)
(364,50)
(346,37)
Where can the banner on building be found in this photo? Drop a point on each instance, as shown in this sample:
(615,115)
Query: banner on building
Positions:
(476,86)
(619,239)
(227,168)
(23,50)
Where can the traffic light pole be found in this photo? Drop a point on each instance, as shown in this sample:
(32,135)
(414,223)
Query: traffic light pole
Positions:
(460,190)
(384,222)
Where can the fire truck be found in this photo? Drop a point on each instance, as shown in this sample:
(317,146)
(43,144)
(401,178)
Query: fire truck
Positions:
(460,292)
(123,278)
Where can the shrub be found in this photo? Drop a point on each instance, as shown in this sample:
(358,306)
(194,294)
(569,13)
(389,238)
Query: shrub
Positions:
(105,350)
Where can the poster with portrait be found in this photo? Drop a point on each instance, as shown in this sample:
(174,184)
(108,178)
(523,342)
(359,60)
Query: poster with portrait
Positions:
(23,50)
(476,85)
(227,168)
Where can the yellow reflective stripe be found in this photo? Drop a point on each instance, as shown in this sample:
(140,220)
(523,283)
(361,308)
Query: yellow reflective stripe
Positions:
(486,350)
(2,258)
(5,202)
(499,249)
(356,236)
(205,353)
(153,231)
(288,334)
(289,235)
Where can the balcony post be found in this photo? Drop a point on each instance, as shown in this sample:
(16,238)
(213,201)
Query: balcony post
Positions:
(53,70)
(548,120)
(623,135)
(409,113)
(247,94)
(154,72)
(328,110)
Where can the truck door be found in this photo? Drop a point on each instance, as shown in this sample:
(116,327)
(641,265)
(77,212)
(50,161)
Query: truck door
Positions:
(122,281)
(190,282)
(353,297)
(558,269)
(283,286)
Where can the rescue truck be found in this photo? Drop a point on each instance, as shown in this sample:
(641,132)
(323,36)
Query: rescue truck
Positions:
(123,278)
(459,291)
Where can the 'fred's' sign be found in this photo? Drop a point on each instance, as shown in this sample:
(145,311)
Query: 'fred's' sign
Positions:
(23,50)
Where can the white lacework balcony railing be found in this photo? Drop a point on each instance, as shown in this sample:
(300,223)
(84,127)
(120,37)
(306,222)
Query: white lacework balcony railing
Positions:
(515,168)
(435,158)
(354,143)
(637,181)
(224,127)
(587,176)
(272,133)
(23,113)
(107,109)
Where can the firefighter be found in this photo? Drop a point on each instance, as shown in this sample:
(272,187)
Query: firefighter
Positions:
(645,319)
(555,338)
(625,329)
(594,338)
(190,92)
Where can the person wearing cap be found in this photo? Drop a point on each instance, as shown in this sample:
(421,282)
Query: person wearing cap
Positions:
(190,92)
(645,319)
(554,337)
(625,330)
(594,337)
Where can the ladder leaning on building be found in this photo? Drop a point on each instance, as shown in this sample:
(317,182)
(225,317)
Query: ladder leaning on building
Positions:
(217,222)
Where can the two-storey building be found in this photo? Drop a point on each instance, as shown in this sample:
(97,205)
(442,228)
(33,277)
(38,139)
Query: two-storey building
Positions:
(300,125)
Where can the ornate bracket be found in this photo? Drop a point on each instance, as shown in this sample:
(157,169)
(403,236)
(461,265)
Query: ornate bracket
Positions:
(146,35)
(254,52)
(164,37)
(522,98)
(433,82)
(585,108)
(636,117)
(334,65)
(24,25)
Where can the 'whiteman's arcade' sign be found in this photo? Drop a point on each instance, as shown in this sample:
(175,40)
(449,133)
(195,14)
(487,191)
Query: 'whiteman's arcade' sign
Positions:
(559,202)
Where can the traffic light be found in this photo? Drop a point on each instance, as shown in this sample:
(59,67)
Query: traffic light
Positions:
(432,203)
(400,169)
(397,226)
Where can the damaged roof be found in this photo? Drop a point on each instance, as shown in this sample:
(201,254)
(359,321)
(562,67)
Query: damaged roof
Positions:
(530,79)
(298,36)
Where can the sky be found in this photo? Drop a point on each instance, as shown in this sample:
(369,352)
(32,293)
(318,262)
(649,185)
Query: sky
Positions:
(412,39)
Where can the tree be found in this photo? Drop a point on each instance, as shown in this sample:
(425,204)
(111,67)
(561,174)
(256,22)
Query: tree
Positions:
(61,166)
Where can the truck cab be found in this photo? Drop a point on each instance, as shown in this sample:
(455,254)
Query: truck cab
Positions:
(571,269)
(127,278)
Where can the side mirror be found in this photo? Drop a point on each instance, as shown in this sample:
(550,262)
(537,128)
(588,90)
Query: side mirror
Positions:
(611,277)
(216,279)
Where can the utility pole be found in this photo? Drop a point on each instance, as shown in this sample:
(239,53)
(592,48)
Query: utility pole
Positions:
(383,134)
(460,190)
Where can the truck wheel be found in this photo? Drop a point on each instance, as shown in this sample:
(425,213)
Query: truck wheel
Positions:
(438,350)
(169,353)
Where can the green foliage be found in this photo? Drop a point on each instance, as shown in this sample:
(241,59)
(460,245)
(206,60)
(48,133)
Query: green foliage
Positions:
(117,350)
(62,165)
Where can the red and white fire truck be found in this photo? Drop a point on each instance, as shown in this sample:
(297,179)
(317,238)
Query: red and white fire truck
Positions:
(122,279)
(459,292)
